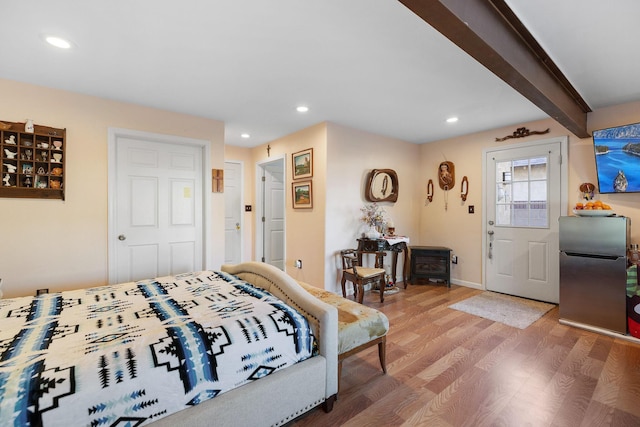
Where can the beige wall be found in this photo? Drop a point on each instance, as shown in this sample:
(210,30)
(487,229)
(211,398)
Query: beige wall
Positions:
(342,158)
(63,244)
(304,227)
(351,155)
(461,231)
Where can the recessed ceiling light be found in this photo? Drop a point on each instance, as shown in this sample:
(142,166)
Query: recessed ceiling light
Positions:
(302,109)
(245,135)
(58,42)
(452,119)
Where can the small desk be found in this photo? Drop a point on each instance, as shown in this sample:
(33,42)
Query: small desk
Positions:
(431,262)
(390,244)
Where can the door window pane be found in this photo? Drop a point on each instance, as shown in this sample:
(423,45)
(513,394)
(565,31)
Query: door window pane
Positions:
(522,192)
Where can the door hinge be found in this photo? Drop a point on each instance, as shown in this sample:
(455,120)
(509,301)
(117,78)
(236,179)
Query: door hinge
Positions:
(264,179)
(263,259)
(262,219)
(560,158)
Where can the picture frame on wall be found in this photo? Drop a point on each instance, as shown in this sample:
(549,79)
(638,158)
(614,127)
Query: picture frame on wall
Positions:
(302,195)
(302,164)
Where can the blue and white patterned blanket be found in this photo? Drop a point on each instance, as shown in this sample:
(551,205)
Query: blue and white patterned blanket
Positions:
(132,353)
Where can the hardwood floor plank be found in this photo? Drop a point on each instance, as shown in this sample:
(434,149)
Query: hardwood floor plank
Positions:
(449,368)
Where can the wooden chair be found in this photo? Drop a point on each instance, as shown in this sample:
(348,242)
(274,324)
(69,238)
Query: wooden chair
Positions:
(361,276)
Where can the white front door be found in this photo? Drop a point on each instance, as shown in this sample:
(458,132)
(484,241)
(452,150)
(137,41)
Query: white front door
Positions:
(523,203)
(157,204)
(271,226)
(233,212)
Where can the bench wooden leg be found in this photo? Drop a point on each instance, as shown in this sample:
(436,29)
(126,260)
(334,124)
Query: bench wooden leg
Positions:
(382,354)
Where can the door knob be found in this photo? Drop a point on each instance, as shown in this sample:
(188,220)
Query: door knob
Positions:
(490,232)
(237,226)
(122,237)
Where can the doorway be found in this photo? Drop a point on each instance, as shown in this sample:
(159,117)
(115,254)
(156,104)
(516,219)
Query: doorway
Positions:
(157,204)
(270,218)
(233,212)
(525,194)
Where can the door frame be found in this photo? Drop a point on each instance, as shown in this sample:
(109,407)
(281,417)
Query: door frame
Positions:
(259,226)
(564,185)
(112,232)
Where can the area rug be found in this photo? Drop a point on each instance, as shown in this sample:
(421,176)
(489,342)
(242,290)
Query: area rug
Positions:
(389,290)
(512,311)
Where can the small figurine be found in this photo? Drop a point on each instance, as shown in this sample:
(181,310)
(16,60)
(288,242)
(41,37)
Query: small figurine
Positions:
(587,190)
(9,154)
(10,168)
(6,179)
(11,140)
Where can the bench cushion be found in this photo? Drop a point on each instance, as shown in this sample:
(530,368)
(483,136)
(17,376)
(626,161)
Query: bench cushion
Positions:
(357,323)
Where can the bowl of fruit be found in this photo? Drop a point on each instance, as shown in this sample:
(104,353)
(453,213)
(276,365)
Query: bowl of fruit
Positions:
(593,208)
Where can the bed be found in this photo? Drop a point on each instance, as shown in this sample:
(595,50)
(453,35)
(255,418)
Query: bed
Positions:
(242,346)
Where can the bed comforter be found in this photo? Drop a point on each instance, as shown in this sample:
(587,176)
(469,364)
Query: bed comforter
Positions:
(134,353)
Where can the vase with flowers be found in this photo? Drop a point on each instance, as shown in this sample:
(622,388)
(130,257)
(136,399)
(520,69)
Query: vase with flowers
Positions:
(373,216)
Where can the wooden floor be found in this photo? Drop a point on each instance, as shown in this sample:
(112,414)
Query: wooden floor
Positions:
(449,368)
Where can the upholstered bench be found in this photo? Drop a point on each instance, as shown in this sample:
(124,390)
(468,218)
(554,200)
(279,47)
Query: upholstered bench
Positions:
(359,326)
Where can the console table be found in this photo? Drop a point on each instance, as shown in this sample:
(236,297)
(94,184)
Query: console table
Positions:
(431,262)
(394,245)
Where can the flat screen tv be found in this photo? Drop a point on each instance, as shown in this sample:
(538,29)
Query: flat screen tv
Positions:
(617,152)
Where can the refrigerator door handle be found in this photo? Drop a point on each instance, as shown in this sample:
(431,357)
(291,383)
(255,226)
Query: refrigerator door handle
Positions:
(604,257)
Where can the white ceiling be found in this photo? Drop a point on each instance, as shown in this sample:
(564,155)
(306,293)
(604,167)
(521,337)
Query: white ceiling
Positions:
(366,64)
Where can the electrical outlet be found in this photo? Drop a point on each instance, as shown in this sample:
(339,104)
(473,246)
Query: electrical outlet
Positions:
(454,259)
(298,263)
(472,209)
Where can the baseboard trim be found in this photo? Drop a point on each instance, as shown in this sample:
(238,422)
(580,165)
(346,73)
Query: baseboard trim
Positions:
(467,284)
(599,330)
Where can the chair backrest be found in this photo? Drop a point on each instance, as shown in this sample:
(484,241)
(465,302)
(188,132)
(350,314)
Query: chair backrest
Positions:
(351,259)
(379,261)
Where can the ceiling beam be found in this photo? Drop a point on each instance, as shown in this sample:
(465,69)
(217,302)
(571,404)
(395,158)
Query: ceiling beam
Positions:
(491,33)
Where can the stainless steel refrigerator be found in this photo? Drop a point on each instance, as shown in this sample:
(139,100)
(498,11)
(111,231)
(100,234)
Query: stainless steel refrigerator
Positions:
(593,271)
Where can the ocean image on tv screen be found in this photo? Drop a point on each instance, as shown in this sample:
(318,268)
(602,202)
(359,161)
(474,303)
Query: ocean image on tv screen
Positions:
(617,152)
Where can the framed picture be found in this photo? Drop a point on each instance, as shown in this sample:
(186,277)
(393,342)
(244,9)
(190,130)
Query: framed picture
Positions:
(302,195)
(303,164)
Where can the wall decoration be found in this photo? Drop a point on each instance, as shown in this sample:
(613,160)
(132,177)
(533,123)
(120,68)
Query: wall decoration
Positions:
(587,190)
(382,186)
(27,149)
(303,164)
(523,132)
(464,188)
(217,180)
(430,190)
(446,179)
(446,175)
(302,195)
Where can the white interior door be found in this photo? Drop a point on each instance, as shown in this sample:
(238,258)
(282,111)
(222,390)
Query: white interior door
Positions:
(233,212)
(523,203)
(271,227)
(158,206)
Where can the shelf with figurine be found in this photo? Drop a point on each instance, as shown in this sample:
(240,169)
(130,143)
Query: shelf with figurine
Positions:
(32,161)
